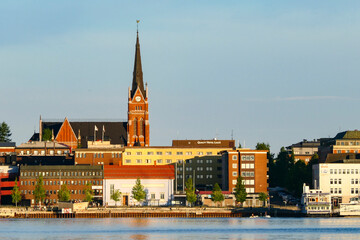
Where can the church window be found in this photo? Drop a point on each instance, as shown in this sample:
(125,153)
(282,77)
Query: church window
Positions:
(135,126)
(141,127)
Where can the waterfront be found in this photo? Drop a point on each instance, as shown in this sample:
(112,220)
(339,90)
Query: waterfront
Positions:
(181,228)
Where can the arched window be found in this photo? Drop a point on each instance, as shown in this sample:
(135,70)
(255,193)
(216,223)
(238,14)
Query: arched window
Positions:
(141,127)
(135,126)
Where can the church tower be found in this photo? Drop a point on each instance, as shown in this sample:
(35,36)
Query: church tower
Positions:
(138,113)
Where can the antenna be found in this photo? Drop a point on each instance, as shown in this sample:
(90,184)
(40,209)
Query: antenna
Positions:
(232,134)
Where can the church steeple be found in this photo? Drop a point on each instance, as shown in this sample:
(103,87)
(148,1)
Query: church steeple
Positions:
(137,74)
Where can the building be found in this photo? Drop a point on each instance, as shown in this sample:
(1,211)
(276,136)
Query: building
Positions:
(75,178)
(198,159)
(158,182)
(252,165)
(77,134)
(44,148)
(340,178)
(7,182)
(7,153)
(304,150)
(343,142)
(134,132)
(138,128)
(99,153)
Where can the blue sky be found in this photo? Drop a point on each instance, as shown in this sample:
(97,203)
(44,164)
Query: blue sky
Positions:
(272,71)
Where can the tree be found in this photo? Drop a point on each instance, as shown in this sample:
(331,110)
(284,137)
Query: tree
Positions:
(47,134)
(217,195)
(5,132)
(262,146)
(240,191)
(116,196)
(263,197)
(16,194)
(138,192)
(39,191)
(64,194)
(89,192)
(190,192)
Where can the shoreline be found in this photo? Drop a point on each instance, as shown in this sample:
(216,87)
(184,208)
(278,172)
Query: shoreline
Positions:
(151,212)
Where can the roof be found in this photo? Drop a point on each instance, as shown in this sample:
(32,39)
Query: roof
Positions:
(305,143)
(348,135)
(142,172)
(116,132)
(210,192)
(342,157)
(213,143)
(61,167)
(137,74)
(42,144)
(7,144)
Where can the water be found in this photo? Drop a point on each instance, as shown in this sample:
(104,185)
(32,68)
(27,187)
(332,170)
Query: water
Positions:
(181,228)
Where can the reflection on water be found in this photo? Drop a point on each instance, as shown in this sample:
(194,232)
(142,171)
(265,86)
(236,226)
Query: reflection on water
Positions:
(181,228)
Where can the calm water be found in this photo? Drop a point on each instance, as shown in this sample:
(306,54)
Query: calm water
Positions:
(169,228)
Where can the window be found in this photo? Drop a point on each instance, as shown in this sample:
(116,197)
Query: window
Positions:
(158,153)
(200,153)
(159,161)
(208,176)
(127,153)
(234,165)
(188,153)
(148,160)
(153,196)
(339,180)
(331,171)
(168,160)
(208,168)
(352,191)
(335,181)
(162,196)
(352,181)
(331,181)
(167,153)
(234,174)
(335,171)
(200,161)
(234,157)
(199,168)
(127,161)
(209,153)
(138,153)
(179,153)
(234,182)
(150,153)
(138,161)
(209,161)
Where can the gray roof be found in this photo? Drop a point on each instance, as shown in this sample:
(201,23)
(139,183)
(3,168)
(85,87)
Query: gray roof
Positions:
(7,144)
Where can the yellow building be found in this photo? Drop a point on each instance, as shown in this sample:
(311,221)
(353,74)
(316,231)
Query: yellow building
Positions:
(181,150)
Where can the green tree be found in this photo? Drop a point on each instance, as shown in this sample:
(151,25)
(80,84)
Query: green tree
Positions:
(138,192)
(263,197)
(47,134)
(64,194)
(240,191)
(217,195)
(39,191)
(5,132)
(89,192)
(116,196)
(190,192)
(16,194)
(270,157)
(314,160)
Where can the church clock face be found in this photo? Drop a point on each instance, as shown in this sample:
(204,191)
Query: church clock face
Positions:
(138,98)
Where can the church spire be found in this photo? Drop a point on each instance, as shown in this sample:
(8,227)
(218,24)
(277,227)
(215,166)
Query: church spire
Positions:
(137,74)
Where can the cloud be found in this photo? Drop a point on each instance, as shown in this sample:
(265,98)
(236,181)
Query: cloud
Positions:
(302,98)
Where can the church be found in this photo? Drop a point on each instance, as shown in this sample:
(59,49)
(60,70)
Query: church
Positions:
(134,132)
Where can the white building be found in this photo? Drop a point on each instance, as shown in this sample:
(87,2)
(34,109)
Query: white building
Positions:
(158,182)
(340,179)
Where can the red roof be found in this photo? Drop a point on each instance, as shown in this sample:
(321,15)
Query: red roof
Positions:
(142,172)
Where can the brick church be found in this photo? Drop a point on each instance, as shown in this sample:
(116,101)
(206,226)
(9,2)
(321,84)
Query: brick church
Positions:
(134,132)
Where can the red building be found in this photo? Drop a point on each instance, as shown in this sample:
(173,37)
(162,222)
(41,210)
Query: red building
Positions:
(7,178)
(138,127)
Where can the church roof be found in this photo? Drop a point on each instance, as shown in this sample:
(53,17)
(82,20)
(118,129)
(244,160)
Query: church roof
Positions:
(116,132)
(137,74)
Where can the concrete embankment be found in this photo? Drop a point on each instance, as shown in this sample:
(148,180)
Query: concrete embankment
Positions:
(157,212)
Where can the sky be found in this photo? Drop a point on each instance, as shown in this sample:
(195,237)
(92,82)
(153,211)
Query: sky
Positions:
(258,71)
